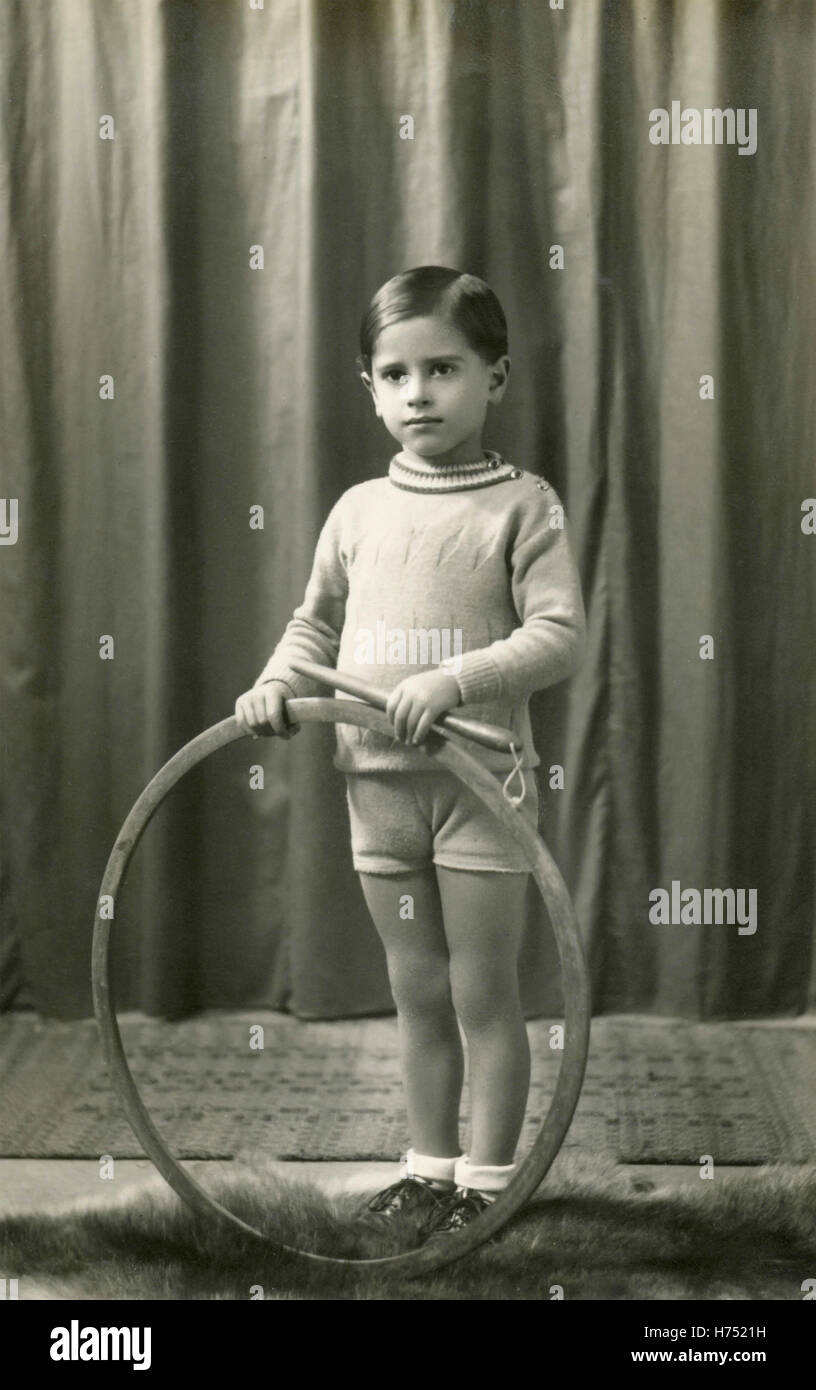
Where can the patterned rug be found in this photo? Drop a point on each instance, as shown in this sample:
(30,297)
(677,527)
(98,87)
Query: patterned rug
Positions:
(655,1091)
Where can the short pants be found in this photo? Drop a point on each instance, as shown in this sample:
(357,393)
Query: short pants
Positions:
(403,821)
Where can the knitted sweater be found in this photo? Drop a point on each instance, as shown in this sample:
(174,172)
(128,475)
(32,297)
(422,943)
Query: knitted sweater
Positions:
(468,569)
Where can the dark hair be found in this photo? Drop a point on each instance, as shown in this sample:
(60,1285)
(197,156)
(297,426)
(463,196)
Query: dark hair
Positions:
(469,304)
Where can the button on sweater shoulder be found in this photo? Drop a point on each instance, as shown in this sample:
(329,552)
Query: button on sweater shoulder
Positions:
(475,564)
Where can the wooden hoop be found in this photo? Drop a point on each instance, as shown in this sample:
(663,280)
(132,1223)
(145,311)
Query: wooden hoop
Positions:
(532,1169)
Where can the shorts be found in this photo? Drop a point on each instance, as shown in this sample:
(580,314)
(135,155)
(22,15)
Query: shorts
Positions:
(403,821)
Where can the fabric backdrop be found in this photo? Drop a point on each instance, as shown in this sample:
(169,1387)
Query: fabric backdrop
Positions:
(279,127)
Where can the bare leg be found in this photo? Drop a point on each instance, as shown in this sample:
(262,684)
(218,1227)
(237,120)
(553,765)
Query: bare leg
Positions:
(418,971)
(483,915)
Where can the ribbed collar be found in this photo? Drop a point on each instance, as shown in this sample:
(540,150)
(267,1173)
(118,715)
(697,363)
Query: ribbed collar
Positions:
(420,475)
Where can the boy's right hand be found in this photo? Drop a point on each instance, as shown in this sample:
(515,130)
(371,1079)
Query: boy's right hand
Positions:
(262,711)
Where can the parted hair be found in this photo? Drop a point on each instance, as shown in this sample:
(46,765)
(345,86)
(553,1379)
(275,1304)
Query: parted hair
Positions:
(465,300)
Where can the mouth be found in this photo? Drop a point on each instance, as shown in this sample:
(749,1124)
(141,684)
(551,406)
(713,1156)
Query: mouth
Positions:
(422,421)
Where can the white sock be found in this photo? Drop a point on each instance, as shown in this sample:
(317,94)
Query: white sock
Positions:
(490,1181)
(428,1166)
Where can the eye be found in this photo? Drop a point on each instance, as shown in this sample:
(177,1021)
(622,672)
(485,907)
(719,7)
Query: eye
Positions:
(444,367)
(392,374)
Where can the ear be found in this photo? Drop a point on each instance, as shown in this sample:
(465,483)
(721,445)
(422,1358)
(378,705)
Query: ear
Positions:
(499,372)
(369,386)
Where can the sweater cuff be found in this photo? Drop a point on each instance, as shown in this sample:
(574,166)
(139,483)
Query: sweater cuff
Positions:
(298,684)
(477,675)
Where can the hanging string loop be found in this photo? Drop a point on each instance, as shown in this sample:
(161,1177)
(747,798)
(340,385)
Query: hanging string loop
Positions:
(516,768)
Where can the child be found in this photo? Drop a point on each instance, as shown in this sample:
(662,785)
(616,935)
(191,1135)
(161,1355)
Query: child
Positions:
(455,551)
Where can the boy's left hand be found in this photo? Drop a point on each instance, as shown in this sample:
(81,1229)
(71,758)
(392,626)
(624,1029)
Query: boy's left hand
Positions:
(416,702)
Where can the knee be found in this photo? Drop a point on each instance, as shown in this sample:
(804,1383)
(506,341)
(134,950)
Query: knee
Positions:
(482,997)
(421,990)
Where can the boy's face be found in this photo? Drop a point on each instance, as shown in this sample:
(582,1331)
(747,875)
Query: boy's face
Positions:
(431,390)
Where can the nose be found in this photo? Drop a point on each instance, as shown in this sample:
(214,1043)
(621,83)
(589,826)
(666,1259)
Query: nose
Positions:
(417,391)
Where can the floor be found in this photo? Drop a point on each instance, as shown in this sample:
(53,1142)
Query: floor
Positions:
(28,1184)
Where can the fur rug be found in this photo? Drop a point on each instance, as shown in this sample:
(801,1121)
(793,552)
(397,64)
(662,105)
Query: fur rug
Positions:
(592,1230)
